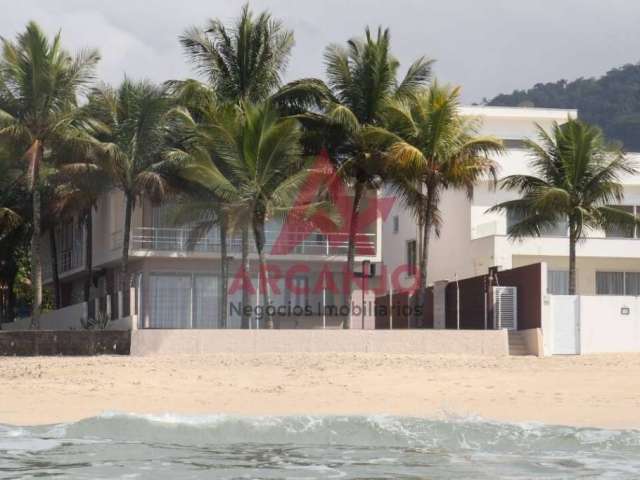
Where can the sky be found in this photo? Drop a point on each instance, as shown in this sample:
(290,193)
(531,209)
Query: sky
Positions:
(487,46)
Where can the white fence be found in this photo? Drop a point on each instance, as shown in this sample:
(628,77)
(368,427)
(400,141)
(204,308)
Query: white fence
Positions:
(592,324)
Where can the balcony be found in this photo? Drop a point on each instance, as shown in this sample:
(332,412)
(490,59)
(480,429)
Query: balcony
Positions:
(490,239)
(176,240)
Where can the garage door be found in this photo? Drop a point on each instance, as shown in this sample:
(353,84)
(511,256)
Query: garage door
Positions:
(565,312)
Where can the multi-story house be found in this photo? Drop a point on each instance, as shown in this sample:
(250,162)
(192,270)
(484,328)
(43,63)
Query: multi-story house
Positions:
(178,284)
(472,240)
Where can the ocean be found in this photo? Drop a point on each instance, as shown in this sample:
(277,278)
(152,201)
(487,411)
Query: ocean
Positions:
(124,446)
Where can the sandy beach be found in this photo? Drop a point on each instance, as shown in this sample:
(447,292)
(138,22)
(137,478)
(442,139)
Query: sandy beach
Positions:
(602,391)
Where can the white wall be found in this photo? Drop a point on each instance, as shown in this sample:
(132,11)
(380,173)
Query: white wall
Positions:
(604,329)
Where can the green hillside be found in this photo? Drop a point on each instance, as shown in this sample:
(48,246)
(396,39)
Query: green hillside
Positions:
(611,101)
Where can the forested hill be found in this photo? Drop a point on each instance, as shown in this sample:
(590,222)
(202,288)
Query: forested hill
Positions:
(611,101)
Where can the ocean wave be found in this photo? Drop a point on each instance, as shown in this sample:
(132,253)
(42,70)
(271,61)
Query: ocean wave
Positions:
(320,447)
(374,430)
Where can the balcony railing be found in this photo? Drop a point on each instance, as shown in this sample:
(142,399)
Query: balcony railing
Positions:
(297,243)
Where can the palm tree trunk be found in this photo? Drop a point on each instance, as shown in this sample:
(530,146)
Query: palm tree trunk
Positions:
(36,263)
(426,224)
(246,315)
(572,257)
(34,155)
(224,271)
(88,253)
(55,275)
(124,264)
(258,232)
(351,247)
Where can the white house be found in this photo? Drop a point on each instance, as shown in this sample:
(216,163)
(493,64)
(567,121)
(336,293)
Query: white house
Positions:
(472,240)
(178,286)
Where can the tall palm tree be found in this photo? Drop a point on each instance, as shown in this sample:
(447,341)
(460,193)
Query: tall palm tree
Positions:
(194,124)
(39,85)
(243,63)
(362,80)
(433,148)
(576,177)
(261,155)
(131,124)
(80,186)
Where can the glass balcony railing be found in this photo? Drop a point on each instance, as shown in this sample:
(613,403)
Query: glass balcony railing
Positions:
(296,243)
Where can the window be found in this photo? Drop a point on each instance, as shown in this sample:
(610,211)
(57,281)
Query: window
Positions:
(618,283)
(206,308)
(619,231)
(170,301)
(558,282)
(298,296)
(396,224)
(411,257)
(560,229)
(513,143)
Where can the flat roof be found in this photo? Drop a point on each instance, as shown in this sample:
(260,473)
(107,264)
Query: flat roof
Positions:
(520,112)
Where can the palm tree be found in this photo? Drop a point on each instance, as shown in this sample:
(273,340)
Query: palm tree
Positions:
(194,124)
(576,177)
(261,156)
(80,186)
(362,80)
(433,148)
(130,122)
(244,63)
(39,84)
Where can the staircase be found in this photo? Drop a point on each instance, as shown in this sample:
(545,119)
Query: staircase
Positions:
(516,343)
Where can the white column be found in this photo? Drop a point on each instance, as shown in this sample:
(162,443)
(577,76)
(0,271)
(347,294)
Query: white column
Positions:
(439,304)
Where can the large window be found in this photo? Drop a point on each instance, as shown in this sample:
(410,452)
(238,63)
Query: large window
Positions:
(411,257)
(558,282)
(623,231)
(183,301)
(560,229)
(618,283)
(206,311)
(170,301)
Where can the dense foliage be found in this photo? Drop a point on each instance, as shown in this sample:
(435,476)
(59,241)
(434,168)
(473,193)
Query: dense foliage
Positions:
(611,102)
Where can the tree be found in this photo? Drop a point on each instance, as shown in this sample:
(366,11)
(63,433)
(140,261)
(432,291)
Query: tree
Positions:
(362,79)
(194,124)
(612,101)
(15,224)
(39,85)
(261,155)
(80,186)
(433,148)
(244,63)
(130,122)
(576,177)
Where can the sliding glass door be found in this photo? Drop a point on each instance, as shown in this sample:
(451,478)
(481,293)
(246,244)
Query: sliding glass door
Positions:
(183,301)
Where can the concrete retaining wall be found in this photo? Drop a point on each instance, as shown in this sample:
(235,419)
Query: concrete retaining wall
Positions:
(470,342)
(64,319)
(66,342)
(533,341)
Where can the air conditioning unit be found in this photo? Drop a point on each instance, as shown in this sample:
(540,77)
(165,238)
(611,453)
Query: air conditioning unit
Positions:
(505,308)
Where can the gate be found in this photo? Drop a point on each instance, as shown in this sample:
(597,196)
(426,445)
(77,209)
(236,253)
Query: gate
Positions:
(565,311)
